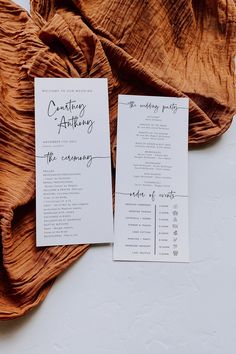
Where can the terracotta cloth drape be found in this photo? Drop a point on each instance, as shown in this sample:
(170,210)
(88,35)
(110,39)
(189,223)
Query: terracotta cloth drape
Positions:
(150,47)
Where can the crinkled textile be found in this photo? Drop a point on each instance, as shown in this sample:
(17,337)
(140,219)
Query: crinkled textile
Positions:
(146,47)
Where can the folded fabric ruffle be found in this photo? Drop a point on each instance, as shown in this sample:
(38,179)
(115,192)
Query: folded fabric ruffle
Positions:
(154,47)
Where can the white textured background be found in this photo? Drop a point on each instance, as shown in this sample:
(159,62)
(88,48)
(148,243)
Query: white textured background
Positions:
(104,307)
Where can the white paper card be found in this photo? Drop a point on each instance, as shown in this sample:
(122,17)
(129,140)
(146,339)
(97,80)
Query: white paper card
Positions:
(151,204)
(73,165)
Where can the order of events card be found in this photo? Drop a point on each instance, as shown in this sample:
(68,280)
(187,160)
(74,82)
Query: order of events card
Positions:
(73,165)
(151,204)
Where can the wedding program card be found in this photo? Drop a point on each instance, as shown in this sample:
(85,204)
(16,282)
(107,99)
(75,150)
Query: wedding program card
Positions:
(151,206)
(73,166)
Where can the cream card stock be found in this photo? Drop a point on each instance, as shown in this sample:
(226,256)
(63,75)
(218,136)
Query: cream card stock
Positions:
(151,205)
(73,167)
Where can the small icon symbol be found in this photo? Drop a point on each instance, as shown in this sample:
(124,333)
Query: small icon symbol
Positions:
(175,253)
(175,233)
(175,226)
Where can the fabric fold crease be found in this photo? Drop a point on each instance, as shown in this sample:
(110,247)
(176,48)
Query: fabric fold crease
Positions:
(183,48)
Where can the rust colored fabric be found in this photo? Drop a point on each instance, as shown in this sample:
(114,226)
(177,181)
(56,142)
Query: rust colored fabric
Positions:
(150,47)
